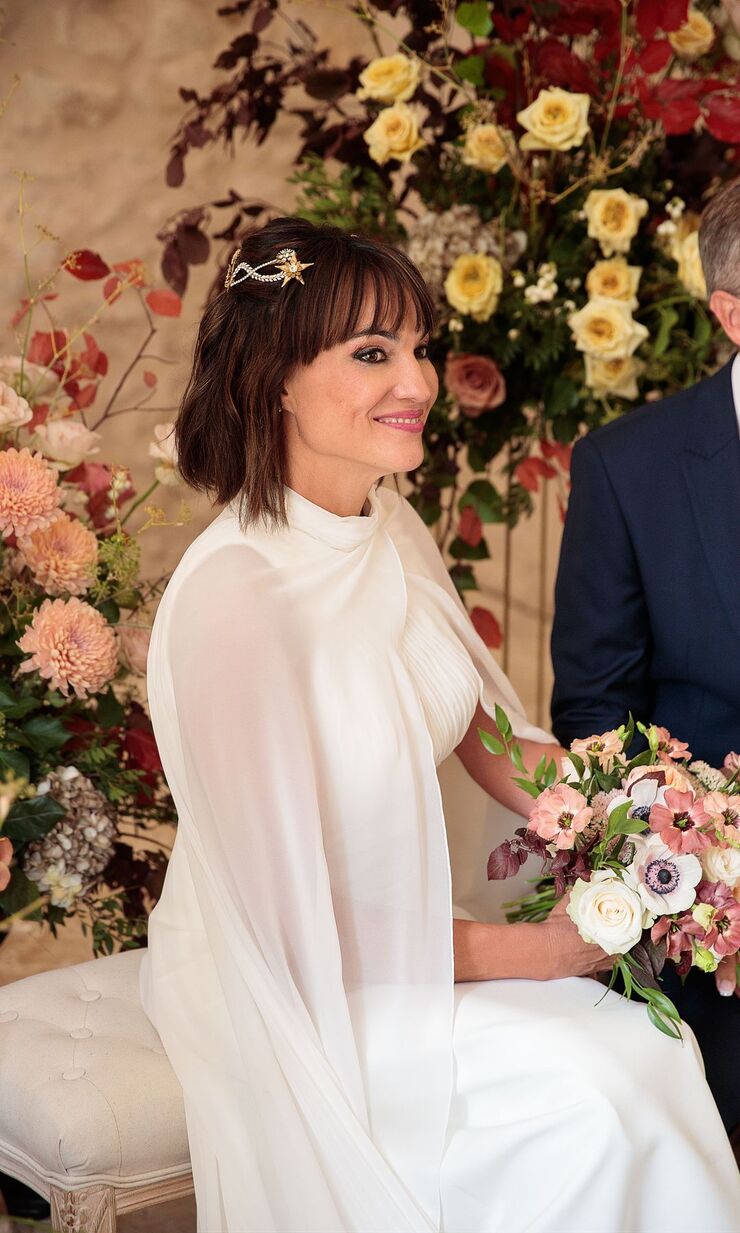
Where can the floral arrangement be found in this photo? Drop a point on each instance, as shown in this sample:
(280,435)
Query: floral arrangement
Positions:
(647,847)
(81,783)
(545,165)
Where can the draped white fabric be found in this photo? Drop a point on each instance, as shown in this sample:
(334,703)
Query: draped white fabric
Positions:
(300,967)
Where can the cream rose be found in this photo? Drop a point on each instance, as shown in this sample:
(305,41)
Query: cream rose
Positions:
(164,451)
(67,441)
(721,865)
(613,376)
(556,120)
(133,647)
(485,148)
(686,252)
(615,280)
(608,913)
(35,381)
(613,218)
(14,410)
(394,134)
(606,329)
(389,79)
(473,285)
(694,38)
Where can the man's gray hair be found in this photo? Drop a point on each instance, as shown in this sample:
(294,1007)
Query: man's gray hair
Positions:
(719,239)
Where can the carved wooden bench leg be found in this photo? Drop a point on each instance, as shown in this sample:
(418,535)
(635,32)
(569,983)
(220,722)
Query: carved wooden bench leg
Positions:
(92,1210)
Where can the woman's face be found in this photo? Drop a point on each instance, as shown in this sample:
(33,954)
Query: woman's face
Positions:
(357,411)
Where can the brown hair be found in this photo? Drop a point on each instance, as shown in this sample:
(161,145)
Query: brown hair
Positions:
(229,435)
(719,239)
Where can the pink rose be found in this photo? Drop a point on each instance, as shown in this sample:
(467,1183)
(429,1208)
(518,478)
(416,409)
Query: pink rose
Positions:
(475,382)
(133,647)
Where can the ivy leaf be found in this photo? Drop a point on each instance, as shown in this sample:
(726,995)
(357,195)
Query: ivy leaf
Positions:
(460,551)
(32,818)
(44,733)
(109,712)
(16,762)
(475,17)
(484,499)
(471,68)
(19,892)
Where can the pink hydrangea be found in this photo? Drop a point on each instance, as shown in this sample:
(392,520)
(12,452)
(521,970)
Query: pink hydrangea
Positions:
(559,815)
(678,820)
(29,493)
(62,557)
(71,645)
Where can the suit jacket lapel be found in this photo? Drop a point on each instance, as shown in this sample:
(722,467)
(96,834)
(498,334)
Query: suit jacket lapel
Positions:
(711,464)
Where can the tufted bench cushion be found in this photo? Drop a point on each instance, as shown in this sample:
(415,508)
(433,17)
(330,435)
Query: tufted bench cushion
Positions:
(87,1095)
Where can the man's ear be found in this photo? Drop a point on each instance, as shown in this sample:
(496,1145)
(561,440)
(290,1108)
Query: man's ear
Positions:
(726,308)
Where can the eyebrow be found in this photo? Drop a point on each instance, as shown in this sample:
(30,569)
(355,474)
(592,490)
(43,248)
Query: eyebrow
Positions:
(371,333)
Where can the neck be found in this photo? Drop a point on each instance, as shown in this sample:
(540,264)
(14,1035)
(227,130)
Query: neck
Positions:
(343,495)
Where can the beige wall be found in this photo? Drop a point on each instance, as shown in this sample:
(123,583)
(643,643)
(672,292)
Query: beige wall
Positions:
(91,121)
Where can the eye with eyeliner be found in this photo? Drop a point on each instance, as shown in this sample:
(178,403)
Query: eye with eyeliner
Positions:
(366,352)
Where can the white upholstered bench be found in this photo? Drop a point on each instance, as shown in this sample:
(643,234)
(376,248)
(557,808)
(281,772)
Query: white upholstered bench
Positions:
(91,1114)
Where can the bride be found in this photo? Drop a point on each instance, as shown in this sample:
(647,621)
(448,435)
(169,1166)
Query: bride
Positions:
(352,1059)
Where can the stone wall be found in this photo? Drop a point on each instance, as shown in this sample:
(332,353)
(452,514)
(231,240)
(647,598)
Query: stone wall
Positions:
(90,122)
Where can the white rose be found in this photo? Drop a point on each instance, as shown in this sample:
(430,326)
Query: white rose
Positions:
(389,79)
(485,148)
(67,441)
(14,410)
(606,329)
(615,280)
(722,865)
(394,134)
(556,120)
(608,913)
(35,381)
(614,218)
(614,376)
(690,271)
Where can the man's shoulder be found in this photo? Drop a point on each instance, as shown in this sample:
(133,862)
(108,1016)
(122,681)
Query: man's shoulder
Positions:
(664,424)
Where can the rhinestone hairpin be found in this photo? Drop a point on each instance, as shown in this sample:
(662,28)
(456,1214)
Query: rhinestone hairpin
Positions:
(287,262)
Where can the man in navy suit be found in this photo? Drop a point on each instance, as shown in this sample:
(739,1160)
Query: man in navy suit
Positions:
(648,592)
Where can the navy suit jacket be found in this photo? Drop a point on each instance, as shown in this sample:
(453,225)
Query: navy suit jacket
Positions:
(648,589)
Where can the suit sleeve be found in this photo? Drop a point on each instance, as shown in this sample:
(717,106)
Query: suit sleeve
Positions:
(601,641)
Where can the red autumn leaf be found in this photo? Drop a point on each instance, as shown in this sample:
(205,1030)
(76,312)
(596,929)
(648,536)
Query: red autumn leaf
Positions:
(509,29)
(584,16)
(150,379)
(112,289)
(666,15)
(40,412)
(680,116)
(561,453)
(470,527)
(554,62)
(86,265)
(90,477)
(25,304)
(723,117)
(142,751)
(43,347)
(529,471)
(487,627)
(679,88)
(655,56)
(84,396)
(164,302)
(134,271)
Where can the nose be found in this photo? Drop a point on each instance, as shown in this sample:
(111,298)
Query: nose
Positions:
(414,380)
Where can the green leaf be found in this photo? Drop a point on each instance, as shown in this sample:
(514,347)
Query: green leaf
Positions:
(110,610)
(532,789)
(32,818)
(470,68)
(463,577)
(16,762)
(19,892)
(484,499)
(551,773)
(666,1028)
(459,550)
(702,329)
(578,763)
(539,770)
(503,723)
(473,15)
(668,318)
(618,820)
(45,733)
(515,753)
(491,744)
(109,712)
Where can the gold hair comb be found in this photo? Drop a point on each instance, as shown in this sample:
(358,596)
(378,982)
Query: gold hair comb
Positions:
(289,267)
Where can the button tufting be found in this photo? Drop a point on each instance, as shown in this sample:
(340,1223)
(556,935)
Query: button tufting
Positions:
(90,995)
(75,1073)
(80,1033)
(7,1016)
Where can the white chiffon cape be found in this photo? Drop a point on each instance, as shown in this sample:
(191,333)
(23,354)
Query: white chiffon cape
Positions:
(300,967)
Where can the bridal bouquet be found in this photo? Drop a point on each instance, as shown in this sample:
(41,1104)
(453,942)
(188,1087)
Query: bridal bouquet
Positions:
(647,847)
(81,783)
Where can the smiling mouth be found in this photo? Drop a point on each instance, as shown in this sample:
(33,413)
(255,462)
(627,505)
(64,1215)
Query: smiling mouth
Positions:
(412,422)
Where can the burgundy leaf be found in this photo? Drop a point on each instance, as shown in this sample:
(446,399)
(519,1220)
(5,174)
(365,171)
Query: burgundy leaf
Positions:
(655,56)
(175,173)
(504,862)
(193,245)
(723,117)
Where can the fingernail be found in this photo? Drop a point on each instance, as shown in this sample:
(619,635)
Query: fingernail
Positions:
(726,988)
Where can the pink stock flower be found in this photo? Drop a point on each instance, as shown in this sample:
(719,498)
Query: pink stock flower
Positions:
(6,856)
(71,645)
(722,813)
(475,382)
(29,492)
(723,932)
(61,557)
(669,748)
(732,764)
(604,747)
(677,822)
(678,933)
(559,815)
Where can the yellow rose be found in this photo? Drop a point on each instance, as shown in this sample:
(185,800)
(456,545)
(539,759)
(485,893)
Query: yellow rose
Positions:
(613,376)
(389,79)
(474,284)
(613,218)
(685,251)
(606,329)
(556,120)
(694,38)
(394,134)
(485,148)
(615,280)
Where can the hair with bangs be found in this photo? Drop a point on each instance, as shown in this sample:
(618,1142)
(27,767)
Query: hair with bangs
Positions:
(229,433)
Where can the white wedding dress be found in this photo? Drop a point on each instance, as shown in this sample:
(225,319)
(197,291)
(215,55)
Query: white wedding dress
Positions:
(304,684)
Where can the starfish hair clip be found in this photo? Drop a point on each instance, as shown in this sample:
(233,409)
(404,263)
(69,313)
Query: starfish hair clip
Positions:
(286,261)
